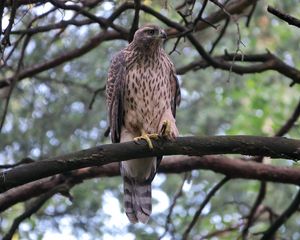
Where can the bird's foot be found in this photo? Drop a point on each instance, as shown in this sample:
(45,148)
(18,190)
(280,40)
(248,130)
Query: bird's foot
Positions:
(147,138)
(169,130)
(166,129)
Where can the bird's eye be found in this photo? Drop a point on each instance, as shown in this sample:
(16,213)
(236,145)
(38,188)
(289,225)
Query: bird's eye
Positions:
(151,32)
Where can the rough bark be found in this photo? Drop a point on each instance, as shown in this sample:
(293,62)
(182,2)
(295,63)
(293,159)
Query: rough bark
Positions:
(275,147)
(233,168)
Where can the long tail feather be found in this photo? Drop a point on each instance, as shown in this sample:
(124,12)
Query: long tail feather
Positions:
(137,200)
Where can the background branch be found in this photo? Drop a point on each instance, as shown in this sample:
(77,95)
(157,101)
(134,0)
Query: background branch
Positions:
(263,186)
(285,17)
(234,168)
(292,208)
(249,145)
(32,208)
(197,214)
(50,84)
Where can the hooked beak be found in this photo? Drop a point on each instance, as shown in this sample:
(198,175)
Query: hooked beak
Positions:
(163,34)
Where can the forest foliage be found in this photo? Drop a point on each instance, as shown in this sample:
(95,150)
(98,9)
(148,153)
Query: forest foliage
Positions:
(61,109)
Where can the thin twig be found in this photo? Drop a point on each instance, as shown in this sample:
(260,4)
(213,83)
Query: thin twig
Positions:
(14,80)
(96,92)
(251,14)
(31,209)
(250,218)
(211,193)
(175,45)
(222,32)
(23,161)
(290,122)
(221,232)
(263,186)
(1,14)
(6,40)
(292,208)
(65,82)
(177,195)
(184,18)
(135,22)
(268,61)
(59,4)
(10,53)
(199,17)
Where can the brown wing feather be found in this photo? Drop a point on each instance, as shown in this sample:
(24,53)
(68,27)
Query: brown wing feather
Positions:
(175,90)
(114,95)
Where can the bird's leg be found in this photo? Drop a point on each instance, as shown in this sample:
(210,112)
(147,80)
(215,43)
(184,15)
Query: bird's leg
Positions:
(147,138)
(166,129)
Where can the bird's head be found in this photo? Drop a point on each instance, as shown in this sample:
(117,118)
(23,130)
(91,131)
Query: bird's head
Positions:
(149,35)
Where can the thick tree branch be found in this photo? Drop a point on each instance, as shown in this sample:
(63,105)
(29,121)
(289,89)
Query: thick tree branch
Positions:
(249,145)
(234,168)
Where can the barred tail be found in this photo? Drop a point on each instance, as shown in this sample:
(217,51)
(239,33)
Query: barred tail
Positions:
(137,200)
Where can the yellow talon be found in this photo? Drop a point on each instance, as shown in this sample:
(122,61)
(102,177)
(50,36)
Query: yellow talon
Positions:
(147,138)
(166,128)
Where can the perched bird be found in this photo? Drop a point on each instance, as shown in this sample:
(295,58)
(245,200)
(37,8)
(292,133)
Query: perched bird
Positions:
(142,93)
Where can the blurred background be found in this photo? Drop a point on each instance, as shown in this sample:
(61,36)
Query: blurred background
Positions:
(62,109)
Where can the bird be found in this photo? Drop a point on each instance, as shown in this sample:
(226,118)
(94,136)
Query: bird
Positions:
(142,93)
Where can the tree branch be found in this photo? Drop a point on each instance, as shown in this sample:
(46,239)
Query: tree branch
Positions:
(233,7)
(290,122)
(197,214)
(250,218)
(59,4)
(234,168)
(292,208)
(249,145)
(6,40)
(177,195)
(285,17)
(68,56)
(32,208)
(268,62)
(136,19)
(274,63)
(54,26)
(263,186)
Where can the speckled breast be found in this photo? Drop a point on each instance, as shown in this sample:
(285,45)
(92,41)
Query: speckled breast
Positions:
(147,95)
